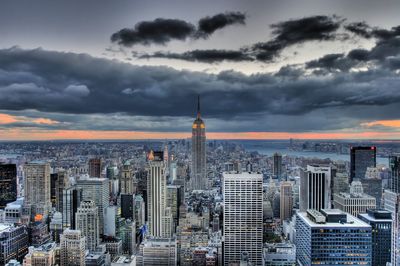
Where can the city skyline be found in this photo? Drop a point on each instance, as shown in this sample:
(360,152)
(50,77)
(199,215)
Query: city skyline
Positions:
(133,70)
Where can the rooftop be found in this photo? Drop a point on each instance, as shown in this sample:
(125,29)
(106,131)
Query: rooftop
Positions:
(352,221)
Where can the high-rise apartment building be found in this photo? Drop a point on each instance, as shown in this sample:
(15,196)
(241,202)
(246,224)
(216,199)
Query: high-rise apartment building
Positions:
(58,182)
(97,190)
(8,184)
(243,217)
(14,242)
(332,237)
(158,214)
(72,248)
(198,171)
(95,166)
(277,166)
(381,223)
(360,159)
(286,201)
(315,190)
(36,189)
(87,221)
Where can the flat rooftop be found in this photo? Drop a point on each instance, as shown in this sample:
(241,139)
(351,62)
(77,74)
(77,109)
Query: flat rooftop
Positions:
(352,221)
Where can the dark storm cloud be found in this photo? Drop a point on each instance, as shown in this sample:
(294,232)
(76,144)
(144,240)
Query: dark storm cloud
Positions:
(285,34)
(207,56)
(297,31)
(162,31)
(68,84)
(383,53)
(158,31)
(208,25)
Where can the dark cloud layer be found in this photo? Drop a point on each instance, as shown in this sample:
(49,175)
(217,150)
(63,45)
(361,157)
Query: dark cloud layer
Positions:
(162,31)
(68,83)
(158,31)
(209,25)
(285,34)
(206,56)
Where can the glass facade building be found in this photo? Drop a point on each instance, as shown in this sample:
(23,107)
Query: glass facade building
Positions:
(332,237)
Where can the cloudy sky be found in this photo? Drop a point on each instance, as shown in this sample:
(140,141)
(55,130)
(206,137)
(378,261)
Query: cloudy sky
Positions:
(263,69)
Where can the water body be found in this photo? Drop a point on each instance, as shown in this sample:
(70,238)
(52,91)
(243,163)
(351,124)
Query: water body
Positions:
(270,147)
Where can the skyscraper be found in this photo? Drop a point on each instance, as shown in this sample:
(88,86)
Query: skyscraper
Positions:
(157,195)
(392,204)
(72,248)
(72,198)
(394,165)
(286,202)
(381,223)
(8,184)
(360,159)
(243,217)
(14,242)
(95,167)
(277,167)
(332,237)
(126,179)
(315,191)
(87,221)
(198,173)
(36,189)
(98,190)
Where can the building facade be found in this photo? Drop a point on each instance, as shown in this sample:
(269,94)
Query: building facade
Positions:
(360,159)
(332,237)
(286,201)
(72,248)
(8,184)
(243,217)
(315,190)
(87,221)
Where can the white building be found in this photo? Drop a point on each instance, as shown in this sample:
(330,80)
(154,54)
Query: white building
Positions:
(354,202)
(72,248)
(315,190)
(87,221)
(157,252)
(243,216)
(159,219)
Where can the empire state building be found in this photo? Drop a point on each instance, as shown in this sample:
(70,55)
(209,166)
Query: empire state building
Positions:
(198,173)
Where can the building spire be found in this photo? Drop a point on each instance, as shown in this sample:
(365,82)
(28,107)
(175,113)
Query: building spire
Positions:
(198,106)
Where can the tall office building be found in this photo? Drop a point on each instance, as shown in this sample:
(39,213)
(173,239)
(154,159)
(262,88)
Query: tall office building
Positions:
(58,182)
(332,237)
(360,159)
(243,217)
(72,198)
(36,189)
(72,248)
(126,179)
(381,223)
(127,206)
(87,221)
(354,202)
(286,201)
(277,167)
(8,184)
(95,166)
(97,190)
(157,195)
(315,191)
(198,173)
(392,204)
(14,242)
(394,165)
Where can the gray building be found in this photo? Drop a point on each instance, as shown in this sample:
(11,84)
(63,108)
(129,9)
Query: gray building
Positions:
(198,173)
(315,190)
